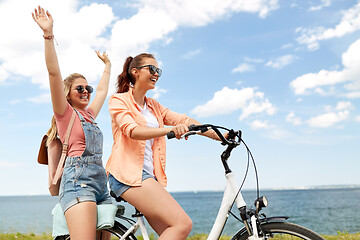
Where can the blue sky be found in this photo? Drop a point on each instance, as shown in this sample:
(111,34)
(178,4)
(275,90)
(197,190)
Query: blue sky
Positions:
(287,73)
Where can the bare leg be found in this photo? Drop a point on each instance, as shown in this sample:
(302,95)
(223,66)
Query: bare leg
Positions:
(161,210)
(81,220)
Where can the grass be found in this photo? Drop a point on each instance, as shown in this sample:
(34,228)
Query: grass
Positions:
(44,236)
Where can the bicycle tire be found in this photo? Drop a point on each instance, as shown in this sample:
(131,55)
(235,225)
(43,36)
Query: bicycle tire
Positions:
(281,230)
(117,231)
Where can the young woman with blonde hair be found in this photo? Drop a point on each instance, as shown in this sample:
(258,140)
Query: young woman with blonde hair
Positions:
(84,182)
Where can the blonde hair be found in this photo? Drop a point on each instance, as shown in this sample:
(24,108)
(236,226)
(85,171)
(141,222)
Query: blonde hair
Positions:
(53,133)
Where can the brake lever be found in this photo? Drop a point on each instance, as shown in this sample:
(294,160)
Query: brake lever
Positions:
(190,133)
(230,139)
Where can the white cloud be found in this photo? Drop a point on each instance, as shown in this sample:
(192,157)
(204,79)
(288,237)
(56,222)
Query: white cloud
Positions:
(349,23)
(77,32)
(324,3)
(157,92)
(325,78)
(244,67)
(255,106)
(81,30)
(253,60)
(281,61)
(328,119)
(357,119)
(343,106)
(352,95)
(200,12)
(257,124)
(191,54)
(43,98)
(229,100)
(293,119)
(339,113)
(141,40)
(248,65)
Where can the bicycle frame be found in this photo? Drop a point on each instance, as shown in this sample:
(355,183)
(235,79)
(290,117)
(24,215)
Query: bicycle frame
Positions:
(230,195)
(138,224)
(257,226)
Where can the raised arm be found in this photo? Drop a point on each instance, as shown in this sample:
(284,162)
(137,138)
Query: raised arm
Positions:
(103,86)
(45,22)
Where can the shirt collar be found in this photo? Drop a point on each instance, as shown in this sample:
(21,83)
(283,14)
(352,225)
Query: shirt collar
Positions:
(148,103)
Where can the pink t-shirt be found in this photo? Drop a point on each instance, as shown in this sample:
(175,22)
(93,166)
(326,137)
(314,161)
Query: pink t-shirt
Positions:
(77,137)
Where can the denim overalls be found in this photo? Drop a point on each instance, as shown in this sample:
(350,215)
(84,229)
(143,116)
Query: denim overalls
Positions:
(84,178)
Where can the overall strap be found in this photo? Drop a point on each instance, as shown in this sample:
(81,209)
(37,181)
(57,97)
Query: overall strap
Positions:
(82,118)
(65,146)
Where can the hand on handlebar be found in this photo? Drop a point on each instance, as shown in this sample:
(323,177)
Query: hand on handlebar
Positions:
(180,130)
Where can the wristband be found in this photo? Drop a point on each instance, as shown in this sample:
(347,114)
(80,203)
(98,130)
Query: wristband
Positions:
(51,37)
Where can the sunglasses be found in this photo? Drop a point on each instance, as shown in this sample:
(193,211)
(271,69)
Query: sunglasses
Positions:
(152,69)
(81,89)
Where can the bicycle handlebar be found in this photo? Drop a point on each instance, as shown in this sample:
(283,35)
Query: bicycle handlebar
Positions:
(198,129)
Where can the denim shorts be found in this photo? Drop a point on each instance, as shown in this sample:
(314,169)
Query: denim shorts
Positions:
(119,188)
(84,179)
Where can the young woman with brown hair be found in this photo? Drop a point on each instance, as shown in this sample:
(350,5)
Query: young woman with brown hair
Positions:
(136,166)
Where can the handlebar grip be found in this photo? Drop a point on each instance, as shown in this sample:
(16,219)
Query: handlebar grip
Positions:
(192,127)
(170,135)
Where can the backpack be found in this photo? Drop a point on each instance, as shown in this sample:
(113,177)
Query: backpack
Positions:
(54,156)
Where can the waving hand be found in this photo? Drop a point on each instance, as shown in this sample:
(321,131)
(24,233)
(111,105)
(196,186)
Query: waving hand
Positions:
(44,20)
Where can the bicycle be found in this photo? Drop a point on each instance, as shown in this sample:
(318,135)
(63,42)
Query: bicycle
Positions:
(257,226)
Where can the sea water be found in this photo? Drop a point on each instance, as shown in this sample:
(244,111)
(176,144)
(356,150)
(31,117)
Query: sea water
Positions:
(325,211)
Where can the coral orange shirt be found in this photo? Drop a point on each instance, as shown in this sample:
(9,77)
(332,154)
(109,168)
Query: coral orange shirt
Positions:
(127,157)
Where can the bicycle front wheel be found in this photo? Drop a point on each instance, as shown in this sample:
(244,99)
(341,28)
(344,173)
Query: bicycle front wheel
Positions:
(281,230)
(117,231)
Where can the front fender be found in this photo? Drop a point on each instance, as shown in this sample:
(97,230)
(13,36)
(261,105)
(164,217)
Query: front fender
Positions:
(274,219)
(262,221)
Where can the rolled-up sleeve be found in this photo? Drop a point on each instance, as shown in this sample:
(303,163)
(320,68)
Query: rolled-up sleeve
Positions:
(121,115)
(172,118)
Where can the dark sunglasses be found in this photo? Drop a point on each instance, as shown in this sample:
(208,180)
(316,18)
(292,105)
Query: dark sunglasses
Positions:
(152,69)
(81,89)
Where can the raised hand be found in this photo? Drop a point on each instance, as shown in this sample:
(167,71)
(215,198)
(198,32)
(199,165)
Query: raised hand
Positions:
(44,20)
(104,57)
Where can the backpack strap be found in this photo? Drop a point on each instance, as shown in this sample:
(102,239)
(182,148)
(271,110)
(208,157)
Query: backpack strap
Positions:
(65,146)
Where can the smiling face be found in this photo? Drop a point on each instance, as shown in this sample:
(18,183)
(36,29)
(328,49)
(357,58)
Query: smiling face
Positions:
(76,99)
(144,79)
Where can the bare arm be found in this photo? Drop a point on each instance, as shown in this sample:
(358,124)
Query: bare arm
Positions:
(145,133)
(103,86)
(45,22)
